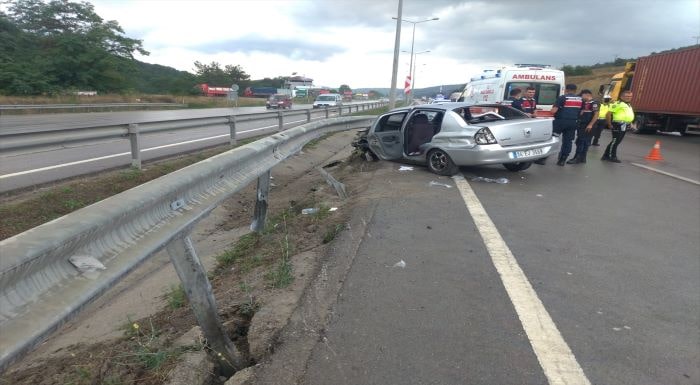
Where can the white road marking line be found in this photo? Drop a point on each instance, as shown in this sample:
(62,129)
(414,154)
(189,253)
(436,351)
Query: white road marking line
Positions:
(47,168)
(554,355)
(693,181)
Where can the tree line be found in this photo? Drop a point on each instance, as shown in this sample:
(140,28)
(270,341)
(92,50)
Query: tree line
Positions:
(59,47)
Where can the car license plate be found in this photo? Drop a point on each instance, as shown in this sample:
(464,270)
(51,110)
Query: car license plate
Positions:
(525,154)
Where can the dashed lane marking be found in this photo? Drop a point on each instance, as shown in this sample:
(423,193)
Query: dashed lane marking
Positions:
(554,355)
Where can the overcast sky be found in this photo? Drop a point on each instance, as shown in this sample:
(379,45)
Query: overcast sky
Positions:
(352,41)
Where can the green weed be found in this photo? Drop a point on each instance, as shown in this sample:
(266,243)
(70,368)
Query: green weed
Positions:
(332,232)
(131,174)
(244,246)
(282,274)
(176,297)
(73,204)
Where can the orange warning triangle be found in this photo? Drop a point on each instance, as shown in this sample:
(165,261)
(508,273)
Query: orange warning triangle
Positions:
(655,153)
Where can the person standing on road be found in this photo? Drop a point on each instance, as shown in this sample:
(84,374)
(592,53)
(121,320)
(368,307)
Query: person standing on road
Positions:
(620,115)
(601,123)
(586,120)
(566,110)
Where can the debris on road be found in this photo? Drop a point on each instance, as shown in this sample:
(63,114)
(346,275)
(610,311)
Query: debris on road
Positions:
(400,264)
(490,180)
(434,183)
(406,168)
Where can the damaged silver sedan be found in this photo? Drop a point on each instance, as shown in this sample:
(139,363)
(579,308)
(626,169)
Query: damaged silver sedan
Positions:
(448,135)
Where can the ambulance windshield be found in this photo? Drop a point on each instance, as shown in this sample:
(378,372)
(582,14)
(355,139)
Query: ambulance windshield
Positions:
(545,93)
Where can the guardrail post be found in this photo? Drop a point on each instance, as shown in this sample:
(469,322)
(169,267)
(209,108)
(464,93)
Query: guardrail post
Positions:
(340,111)
(260,212)
(308,116)
(232,128)
(135,139)
(198,289)
(326,112)
(280,120)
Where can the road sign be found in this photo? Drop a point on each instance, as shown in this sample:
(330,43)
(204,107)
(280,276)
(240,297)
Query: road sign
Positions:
(235,88)
(301,92)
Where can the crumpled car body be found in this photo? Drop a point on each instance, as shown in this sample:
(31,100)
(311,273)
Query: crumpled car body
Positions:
(448,135)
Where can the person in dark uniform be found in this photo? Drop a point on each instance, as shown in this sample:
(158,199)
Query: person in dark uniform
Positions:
(515,99)
(587,118)
(601,123)
(619,117)
(566,110)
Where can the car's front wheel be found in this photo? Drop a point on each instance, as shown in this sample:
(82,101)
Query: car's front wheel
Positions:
(519,166)
(440,163)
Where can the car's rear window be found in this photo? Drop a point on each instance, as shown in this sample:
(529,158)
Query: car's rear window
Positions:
(326,98)
(479,113)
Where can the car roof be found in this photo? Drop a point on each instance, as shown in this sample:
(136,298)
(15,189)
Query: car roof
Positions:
(447,106)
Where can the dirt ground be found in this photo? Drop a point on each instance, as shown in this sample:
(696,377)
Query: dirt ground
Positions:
(248,271)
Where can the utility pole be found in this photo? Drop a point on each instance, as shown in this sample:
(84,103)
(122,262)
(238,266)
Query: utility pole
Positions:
(397,43)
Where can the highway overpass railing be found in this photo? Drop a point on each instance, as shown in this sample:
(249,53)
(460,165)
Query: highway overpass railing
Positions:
(49,273)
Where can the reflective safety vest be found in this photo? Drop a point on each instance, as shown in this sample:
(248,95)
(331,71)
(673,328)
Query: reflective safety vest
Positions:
(621,112)
(603,111)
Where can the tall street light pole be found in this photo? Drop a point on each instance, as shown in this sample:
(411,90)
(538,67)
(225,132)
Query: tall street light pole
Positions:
(413,71)
(397,43)
(413,40)
(413,76)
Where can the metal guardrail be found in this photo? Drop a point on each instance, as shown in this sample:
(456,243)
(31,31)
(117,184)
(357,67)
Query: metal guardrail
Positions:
(13,141)
(17,107)
(48,273)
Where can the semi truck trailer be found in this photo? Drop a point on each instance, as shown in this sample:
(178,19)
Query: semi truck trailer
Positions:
(665,91)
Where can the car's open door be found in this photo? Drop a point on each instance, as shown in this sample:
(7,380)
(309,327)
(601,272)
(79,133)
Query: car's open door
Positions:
(385,137)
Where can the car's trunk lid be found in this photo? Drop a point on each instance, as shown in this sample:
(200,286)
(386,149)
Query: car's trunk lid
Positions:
(521,131)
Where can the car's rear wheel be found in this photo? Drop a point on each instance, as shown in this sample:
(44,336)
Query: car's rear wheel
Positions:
(519,166)
(440,163)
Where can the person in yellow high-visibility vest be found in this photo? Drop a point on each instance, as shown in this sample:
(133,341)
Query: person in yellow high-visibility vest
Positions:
(619,117)
(601,123)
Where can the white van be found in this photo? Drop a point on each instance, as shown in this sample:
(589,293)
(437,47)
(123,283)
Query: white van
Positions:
(494,86)
(328,100)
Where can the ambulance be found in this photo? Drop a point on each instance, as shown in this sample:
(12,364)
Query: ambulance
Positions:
(494,85)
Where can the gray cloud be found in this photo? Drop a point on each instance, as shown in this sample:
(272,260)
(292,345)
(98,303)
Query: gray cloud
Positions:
(294,49)
(544,31)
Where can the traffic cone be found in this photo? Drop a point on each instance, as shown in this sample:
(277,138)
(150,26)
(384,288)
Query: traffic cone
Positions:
(655,153)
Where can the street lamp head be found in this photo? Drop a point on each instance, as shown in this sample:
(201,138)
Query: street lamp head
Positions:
(435,18)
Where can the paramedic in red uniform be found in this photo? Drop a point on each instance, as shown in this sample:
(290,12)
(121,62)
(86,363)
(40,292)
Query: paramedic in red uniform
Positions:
(584,133)
(566,110)
(528,102)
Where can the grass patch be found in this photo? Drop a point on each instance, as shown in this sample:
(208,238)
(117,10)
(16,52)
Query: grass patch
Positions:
(243,247)
(331,233)
(176,296)
(282,274)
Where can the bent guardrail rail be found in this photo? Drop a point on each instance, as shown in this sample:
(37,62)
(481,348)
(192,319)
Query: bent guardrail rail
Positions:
(48,273)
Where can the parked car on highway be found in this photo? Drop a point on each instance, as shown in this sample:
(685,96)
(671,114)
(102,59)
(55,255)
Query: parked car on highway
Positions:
(328,100)
(451,134)
(279,101)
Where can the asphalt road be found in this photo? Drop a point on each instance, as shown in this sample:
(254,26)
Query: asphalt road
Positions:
(611,253)
(29,168)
